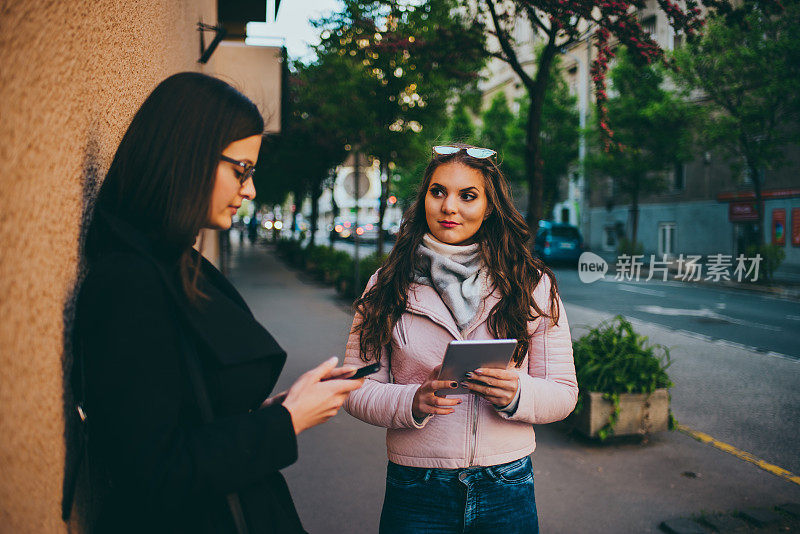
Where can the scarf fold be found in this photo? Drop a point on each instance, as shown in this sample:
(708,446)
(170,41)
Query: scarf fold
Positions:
(458,275)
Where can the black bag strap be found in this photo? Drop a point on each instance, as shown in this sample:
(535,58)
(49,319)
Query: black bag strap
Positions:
(207,413)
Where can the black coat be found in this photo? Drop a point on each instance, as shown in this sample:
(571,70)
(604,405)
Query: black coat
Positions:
(166,470)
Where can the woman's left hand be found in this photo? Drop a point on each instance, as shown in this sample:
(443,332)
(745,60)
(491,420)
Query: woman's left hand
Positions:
(499,386)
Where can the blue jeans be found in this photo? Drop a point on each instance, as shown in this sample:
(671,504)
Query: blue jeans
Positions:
(491,500)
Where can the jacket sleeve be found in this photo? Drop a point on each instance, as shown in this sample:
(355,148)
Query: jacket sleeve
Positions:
(152,443)
(378,402)
(549,390)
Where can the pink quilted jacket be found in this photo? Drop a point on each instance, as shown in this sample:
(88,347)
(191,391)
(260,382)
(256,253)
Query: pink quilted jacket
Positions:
(476,433)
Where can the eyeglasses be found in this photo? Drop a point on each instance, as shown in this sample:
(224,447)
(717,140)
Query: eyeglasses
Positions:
(247,169)
(475,152)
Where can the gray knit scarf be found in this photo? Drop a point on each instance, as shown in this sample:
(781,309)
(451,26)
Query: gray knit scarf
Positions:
(458,275)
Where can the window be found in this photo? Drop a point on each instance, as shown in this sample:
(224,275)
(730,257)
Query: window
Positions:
(666,239)
(609,238)
(649,25)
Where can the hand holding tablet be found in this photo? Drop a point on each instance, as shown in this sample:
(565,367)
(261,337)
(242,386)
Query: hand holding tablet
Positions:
(464,357)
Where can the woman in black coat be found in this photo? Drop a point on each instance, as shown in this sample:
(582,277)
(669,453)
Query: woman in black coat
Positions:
(176,369)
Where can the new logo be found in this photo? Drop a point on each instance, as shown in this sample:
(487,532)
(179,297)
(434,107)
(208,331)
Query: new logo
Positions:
(591,267)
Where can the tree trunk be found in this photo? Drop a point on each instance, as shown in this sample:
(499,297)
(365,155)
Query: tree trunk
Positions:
(315,194)
(756,179)
(334,209)
(634,214)
(533,158)
(385,185)
(296,201)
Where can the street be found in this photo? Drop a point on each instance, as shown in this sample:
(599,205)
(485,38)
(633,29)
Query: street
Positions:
(739,319)
(742,397)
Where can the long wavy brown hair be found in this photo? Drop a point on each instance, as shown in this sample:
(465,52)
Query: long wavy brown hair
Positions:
(503,238)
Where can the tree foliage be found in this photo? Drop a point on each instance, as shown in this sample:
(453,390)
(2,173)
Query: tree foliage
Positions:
(559,137)
(460,128)
(409,60)
(561,23)
(748,70)
(652,132)
(300,159)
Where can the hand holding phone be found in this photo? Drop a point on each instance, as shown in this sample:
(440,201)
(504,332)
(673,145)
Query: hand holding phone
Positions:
(361,372)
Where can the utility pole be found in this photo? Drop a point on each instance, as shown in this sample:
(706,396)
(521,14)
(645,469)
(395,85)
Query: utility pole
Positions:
(357,194)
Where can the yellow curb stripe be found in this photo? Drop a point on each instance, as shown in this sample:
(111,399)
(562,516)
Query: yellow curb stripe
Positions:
(746,456)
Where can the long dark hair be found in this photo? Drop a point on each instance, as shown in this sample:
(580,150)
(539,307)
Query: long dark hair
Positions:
(163,172)
(503,238)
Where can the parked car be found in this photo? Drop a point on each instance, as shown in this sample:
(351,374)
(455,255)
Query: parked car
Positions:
(558,242)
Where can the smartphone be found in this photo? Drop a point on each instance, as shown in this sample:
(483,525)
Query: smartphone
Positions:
(363,371)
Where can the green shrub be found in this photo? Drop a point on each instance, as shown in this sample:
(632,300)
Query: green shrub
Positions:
(626,246)
(366,267)
(612,359)
(316,256)
(771,258)
(292,251)
(337,264)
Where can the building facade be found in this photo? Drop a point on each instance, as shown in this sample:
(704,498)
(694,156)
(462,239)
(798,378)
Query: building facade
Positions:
(707,207)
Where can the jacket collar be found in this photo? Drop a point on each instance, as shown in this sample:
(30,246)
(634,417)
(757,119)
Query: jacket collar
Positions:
(223,323)
(424,300)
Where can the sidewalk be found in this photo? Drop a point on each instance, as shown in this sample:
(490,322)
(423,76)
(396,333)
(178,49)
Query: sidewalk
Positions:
(581,486)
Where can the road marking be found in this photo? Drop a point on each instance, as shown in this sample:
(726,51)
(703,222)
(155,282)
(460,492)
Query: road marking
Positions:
(643,291)
(793,317)
(742,455)
(732,344)
(705,313)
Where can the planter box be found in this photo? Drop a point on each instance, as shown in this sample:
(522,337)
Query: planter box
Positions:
(640,413)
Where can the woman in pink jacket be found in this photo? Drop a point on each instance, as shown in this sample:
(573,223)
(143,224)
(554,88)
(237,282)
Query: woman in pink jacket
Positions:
(461,269)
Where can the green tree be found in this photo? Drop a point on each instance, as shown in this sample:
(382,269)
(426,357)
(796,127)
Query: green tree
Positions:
(559,138)
(495,123)
(652,132)
(408,60)
(461,129)
(312,143)
(748,69)
(559,24)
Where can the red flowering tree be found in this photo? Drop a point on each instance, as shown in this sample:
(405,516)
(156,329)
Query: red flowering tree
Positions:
(561,23)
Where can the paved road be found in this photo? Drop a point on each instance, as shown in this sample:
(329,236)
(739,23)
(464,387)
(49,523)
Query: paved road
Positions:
(744,319)
(745,398)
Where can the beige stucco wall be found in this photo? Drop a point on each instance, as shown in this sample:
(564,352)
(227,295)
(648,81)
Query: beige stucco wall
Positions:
(72,73)
(256,72)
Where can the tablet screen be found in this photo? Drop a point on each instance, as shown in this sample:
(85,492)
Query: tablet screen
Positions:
(462,357)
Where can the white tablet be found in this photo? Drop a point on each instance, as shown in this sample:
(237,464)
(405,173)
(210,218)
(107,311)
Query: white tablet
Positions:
(462,357)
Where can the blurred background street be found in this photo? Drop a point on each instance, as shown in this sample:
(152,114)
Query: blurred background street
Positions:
(737,395)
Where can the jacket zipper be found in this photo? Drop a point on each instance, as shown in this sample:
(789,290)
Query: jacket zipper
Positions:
(474,441)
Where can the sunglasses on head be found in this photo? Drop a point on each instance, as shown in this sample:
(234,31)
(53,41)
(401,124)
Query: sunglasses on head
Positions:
(473,151)
(247,170)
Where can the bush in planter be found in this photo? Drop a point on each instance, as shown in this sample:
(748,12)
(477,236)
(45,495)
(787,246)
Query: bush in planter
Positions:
(626,246)
(771,257)
(316,257)
(336,263)
(613,359)
(288,248)
(366,267)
